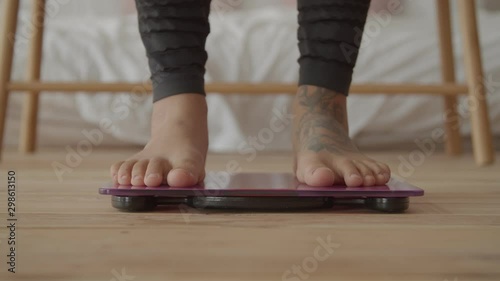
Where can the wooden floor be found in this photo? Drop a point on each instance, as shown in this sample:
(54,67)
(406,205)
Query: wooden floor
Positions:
(66,231)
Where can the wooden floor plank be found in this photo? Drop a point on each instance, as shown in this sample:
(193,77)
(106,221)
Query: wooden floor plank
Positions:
(67,231)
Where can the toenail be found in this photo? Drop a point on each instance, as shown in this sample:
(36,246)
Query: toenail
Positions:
(185,171)
(152,176)
(313,170)
(355,176)
(137,177)
(124,177)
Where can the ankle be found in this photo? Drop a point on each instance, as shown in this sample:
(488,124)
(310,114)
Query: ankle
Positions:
(323,103)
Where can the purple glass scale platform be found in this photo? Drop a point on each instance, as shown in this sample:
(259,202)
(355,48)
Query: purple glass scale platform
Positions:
(221,184)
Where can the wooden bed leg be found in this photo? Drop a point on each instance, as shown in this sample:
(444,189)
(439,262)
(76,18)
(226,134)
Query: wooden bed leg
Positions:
(29,119)
(480,123)
(452,119)
(8,33)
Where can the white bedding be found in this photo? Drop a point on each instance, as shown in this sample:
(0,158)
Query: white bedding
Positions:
(252,45)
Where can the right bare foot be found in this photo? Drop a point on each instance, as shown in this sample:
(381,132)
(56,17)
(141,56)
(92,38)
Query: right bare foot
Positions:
(176,153)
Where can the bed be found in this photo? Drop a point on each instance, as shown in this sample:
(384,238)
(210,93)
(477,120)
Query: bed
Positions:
(251,42)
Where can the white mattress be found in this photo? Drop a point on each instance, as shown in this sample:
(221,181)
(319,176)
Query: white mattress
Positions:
(251,45)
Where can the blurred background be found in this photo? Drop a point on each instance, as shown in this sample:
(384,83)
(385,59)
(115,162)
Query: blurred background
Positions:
(250,41)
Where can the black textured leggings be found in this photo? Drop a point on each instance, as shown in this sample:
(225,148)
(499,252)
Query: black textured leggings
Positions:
(174,33)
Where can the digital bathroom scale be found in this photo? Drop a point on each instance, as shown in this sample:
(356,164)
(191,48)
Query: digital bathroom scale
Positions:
(261,191)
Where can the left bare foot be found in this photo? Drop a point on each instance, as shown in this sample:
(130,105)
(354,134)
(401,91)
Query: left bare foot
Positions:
(324,153)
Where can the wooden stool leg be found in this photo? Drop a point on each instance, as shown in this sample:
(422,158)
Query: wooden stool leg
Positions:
(478,107)
(452,119)
(9,24)
(30,114)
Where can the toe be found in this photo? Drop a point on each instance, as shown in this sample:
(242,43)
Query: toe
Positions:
(114,171)
(320,176)
(377,171)
(181,177)
(367,174)
(138,172)
(386,171)
(317,174)
(156,171)
(313,172)
(351,174)
(185,173)
(125,171)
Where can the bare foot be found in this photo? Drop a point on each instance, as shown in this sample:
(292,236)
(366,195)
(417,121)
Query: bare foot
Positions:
(176,153)
(324,153)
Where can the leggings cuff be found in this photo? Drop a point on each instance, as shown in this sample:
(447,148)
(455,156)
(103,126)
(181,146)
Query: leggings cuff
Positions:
(167,85)
(330,75)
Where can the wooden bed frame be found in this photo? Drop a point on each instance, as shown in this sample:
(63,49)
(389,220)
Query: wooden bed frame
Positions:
(449,89)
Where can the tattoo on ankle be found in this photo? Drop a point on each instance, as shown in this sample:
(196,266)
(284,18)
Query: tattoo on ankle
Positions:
(324,124)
